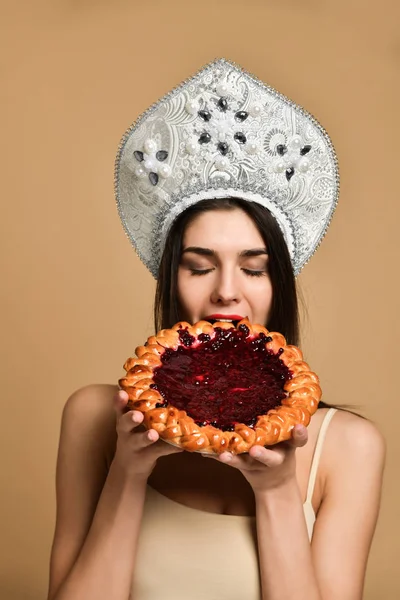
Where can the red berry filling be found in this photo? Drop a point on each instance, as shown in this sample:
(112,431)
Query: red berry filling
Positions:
(232,378)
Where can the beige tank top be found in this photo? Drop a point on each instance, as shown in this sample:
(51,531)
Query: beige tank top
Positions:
(188,554)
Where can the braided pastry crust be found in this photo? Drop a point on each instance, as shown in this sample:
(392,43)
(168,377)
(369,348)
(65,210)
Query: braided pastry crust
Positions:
(301,393)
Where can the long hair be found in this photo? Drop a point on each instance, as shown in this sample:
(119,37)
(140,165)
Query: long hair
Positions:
(284,310)
(284,313)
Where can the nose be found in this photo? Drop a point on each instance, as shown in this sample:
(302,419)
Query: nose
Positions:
(226,289)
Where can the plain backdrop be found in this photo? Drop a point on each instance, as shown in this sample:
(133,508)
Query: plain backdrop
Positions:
(75,299)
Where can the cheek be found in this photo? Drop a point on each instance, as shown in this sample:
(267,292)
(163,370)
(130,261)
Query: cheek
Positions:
(180,289)
(189,291)
(260,297)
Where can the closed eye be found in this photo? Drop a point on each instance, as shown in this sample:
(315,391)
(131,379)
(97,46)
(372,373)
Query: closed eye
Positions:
(200,271)
(252,273)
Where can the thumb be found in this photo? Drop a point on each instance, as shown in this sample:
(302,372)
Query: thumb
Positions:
(165,448)
(299,436)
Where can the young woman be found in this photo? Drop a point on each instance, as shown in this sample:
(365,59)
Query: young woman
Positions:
(138,518)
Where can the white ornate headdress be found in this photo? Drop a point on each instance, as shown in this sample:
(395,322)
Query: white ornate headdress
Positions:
(223,133)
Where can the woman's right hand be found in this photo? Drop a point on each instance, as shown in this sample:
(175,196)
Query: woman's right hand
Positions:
(137,449)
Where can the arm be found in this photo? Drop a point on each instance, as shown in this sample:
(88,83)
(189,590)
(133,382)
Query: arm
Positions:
(98,514)
(333,568)
(286,563)
(349,511)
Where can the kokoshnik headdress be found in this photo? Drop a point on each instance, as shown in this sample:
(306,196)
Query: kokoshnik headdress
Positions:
(224,133)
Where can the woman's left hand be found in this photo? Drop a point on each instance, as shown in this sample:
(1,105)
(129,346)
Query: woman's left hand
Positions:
(271,467)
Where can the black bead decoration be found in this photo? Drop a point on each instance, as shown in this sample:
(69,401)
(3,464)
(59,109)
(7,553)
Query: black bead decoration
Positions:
(305,150)
(289,173)
(153,178)
(162,155)
(204,138)
(205,115)
(241,115)
(281,149)
(138,155)
(240,137)
(223,148)
(222,104)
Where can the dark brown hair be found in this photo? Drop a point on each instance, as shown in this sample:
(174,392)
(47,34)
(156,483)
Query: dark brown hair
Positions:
(284,314)
(284,309)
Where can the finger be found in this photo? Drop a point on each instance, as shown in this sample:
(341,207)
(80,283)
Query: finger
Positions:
(129,421)
(120,401)
(140,441)
(148,437)
(268,457)
(234,460)
(164,448)
(299,436)
(255,456)
(122,394)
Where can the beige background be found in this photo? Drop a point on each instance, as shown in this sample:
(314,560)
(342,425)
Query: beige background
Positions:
(76,300)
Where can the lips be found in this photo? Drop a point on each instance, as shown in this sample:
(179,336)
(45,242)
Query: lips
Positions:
(217,317)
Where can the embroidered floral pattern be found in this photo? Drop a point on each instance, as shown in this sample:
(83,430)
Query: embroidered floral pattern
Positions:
(222,128)
(266,168)
(152,162)
(292,157)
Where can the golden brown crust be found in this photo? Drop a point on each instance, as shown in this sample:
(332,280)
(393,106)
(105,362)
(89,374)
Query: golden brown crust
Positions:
(177,427)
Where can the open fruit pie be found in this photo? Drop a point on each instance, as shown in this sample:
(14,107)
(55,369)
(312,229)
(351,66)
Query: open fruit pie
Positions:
(220,386)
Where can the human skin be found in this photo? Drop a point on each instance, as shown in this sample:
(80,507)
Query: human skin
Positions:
(223,273)
(98,513)
(219,274)
(96,534)
(223,281)
(224,270)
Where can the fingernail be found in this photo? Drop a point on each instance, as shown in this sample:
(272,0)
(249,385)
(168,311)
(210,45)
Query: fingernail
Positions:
(226,457)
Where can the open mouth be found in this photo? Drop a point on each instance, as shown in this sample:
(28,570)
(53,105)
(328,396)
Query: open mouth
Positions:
(234,319)
(213,321)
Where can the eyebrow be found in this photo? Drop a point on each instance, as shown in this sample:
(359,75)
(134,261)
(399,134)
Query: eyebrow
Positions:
(209,252)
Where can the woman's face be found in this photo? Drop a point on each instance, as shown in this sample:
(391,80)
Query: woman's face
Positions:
(224,269)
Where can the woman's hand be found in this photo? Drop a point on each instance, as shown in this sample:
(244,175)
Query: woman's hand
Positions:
(137,449)
(268,468)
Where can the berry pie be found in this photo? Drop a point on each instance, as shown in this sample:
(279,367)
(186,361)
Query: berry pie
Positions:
(220,386)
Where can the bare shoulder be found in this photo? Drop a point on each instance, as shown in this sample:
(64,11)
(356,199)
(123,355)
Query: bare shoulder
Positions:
(354,445)
(87,440)
(354,458)
(89,411)
(91,399)
(360,435)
